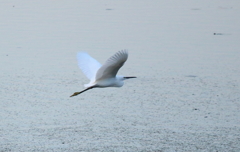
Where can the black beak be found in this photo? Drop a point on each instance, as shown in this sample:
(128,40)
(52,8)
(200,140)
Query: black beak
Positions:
(129,77)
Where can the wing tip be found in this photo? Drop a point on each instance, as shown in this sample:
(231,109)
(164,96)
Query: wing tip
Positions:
(125,51)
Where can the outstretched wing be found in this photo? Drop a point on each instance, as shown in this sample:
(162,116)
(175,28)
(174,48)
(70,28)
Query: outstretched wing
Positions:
(88,65)
(110,68)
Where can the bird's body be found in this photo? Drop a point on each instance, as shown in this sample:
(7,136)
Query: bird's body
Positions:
(102,76)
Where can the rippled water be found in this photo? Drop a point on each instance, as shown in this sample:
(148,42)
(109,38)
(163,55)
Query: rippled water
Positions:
(184,53)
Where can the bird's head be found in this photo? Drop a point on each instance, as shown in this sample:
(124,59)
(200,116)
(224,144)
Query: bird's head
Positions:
(124,78)
(120,82)
(129,77)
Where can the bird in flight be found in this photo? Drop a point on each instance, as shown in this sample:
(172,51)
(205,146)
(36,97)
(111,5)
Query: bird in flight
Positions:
(105,75)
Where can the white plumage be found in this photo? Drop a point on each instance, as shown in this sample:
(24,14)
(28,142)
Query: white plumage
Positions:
(102,75)
(88,65)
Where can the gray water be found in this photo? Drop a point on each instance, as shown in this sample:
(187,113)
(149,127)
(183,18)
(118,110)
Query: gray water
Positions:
(186,96)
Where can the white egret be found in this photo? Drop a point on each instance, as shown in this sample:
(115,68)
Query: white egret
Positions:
(102,76)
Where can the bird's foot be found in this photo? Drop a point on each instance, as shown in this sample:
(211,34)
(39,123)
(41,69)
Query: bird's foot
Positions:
(75,94)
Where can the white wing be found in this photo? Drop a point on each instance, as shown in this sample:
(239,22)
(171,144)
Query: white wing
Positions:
(112,65)
(88,65)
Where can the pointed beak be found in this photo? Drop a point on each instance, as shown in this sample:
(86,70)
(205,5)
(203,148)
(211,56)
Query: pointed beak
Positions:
(129,77)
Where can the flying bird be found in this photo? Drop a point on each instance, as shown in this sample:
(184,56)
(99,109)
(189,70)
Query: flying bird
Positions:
(105,75)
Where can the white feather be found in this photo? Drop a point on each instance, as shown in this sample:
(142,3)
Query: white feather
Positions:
(102,76)
(112,65)
(88,65)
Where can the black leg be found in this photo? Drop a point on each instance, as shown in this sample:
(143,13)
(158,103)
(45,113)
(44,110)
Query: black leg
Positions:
(77,93)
